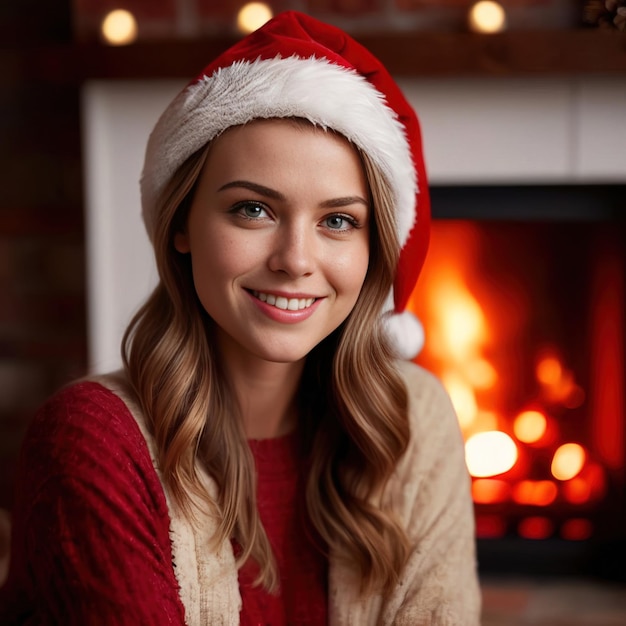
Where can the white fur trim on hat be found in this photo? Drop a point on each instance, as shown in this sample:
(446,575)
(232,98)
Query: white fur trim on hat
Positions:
(406,334)
(311,88)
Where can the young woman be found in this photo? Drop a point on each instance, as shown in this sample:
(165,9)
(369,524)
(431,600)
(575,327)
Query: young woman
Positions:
(265,456)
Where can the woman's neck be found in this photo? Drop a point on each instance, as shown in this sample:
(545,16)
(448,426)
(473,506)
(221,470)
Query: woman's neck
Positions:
(267,400)
(266,394)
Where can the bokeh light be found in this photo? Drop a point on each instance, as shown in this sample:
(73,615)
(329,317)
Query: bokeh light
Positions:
(490,453)
(535,492)
(535,527)
(252,16)
(490,491)
(487,17)
(119,28)
(530,426)
(567,461)
(577,529)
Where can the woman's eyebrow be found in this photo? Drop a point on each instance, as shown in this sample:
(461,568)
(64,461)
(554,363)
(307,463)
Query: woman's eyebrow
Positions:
(336,203)
(260,189)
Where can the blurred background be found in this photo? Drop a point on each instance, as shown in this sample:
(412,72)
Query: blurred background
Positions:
(523,295)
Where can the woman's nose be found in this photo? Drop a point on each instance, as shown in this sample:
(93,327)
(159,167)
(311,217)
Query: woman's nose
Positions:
(293,252)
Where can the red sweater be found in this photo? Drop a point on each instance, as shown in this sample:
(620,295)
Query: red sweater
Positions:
(90,541)
(302,597)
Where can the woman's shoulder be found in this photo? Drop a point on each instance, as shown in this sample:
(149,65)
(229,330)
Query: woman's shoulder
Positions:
(84,420)
(435,430)
(88,403)
(427,395)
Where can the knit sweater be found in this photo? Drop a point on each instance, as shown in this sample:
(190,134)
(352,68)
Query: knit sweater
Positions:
(302,566)
(98,540)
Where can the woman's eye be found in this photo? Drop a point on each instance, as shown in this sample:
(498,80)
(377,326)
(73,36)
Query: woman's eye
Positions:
(251,210)
(339,222)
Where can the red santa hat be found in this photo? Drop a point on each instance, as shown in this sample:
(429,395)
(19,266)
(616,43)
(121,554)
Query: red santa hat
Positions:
(297,66)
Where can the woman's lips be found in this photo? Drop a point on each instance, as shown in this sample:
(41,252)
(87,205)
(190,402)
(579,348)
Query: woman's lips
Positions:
(283,308)
(284,303)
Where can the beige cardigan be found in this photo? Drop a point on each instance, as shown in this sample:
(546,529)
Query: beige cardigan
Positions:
(429,492)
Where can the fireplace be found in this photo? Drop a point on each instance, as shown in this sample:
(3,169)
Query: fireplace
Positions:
(523,302)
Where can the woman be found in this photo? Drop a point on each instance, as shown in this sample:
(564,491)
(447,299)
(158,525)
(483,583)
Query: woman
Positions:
(263,457)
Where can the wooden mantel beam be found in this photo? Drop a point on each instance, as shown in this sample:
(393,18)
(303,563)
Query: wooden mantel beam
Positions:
(417,54)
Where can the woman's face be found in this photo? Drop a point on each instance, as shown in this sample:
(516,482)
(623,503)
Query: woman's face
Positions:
(278,233)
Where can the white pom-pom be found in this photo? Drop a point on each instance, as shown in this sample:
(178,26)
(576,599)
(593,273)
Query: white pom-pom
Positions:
(406,334)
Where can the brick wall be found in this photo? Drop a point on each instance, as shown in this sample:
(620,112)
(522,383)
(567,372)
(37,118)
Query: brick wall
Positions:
(42,294)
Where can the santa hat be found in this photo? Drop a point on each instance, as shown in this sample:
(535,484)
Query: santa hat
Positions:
(296,66)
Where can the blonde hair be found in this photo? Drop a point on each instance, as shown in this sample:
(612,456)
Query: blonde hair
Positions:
(358,427)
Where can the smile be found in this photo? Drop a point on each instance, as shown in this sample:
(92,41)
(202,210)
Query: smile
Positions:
(285,304)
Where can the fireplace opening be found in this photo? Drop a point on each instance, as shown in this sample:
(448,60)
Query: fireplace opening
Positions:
(523,301)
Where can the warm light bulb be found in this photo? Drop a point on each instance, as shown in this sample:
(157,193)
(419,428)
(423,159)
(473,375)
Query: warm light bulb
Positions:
(487,17)
(119,28)
(252,16)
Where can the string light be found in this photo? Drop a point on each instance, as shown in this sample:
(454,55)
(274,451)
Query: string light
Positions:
(252,16)
(487,17)
(119,28)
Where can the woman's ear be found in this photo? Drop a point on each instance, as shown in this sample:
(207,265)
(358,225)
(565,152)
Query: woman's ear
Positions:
(181,242)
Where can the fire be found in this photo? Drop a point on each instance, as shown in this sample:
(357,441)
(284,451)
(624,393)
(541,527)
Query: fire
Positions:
(567,461)
(549,370)
(462,322)
(557,382)
(490,490)
(530,426)
(535,527)
(577,529)
(473,343)
(536,492)
(490,453)
(462,396)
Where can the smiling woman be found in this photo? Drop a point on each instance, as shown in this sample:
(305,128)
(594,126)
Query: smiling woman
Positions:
(264,235)
(266,455)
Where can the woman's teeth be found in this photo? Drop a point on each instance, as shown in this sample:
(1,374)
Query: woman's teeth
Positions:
(286,304)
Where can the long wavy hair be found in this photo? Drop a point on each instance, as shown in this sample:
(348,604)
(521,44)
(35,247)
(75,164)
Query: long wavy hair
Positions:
(352,402)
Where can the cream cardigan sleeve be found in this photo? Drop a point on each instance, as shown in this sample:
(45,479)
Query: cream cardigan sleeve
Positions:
(430,492)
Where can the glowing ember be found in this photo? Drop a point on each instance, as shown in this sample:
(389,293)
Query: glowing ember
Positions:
(577,529)
(535,492)
(490,526)
(589,485)
(535,528)
(549,370)
(490,490)
(568,460)
(530,426)
(577,490)
(490,454)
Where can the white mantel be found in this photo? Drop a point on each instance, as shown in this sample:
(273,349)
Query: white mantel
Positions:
(476,131)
